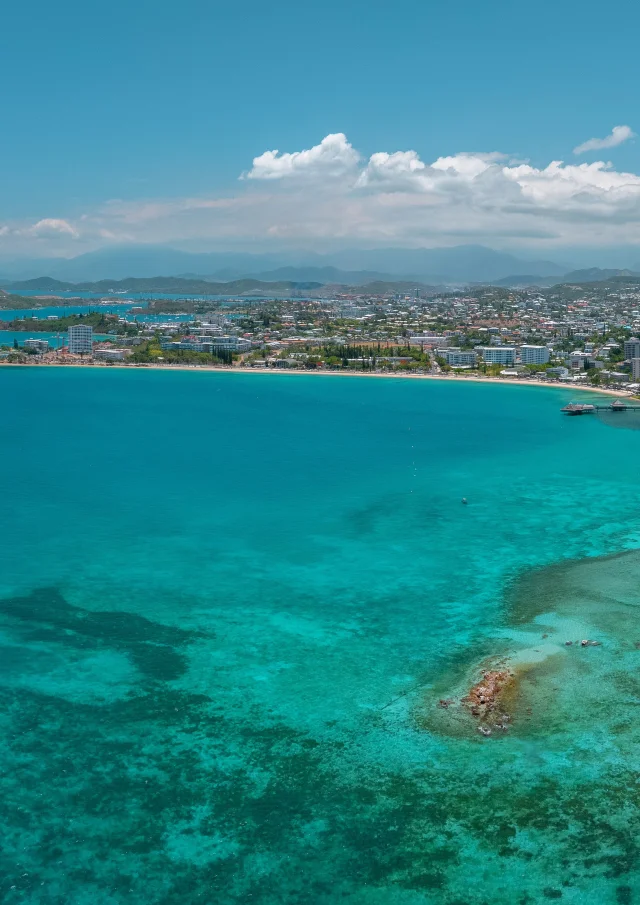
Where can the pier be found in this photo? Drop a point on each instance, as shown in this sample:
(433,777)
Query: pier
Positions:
(581,408)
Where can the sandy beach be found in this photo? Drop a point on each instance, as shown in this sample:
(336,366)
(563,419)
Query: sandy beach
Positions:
(289,372)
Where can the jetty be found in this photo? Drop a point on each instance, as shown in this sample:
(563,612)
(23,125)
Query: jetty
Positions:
(582,408)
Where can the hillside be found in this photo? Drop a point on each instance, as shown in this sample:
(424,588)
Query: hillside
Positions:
(596,275)
(171,285)
(244,287)
(583,277)
(8,300)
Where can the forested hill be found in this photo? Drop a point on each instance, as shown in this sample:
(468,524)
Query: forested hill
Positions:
(174,285)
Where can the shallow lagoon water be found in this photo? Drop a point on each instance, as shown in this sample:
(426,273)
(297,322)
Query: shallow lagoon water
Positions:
(122,310)
(229,604)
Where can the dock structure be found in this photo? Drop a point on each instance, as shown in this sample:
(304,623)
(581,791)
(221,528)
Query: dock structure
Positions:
(582,408)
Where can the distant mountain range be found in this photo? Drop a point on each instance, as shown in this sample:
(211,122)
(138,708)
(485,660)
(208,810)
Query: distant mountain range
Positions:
(597,275)
(155,269)
(588,275)
(459,264)
(173,285)
(320,275)
(275,288)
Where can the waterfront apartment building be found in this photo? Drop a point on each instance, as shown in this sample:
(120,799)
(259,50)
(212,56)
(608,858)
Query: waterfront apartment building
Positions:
(635,368)
(498,355)
(578,360)
(232,343)
(36,345)
(534,355)
(213,345)
(459,358)
(110,354)
(632,348)
(80,339)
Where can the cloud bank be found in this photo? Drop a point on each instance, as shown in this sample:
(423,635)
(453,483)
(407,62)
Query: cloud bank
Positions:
(330,194)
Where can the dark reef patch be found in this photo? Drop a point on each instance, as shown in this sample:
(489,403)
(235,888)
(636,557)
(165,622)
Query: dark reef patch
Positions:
(171,798)
(45,616)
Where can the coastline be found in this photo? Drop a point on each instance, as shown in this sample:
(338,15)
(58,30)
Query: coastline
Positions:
(355,374)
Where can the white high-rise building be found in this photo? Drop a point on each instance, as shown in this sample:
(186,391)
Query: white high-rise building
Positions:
(635,368)
(534,355)
(459,358)
(498,355)
(81,339)
(632,347)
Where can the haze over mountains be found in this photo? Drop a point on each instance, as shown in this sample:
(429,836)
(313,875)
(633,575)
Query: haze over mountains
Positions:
(585,275)
(463,263)
(458,265)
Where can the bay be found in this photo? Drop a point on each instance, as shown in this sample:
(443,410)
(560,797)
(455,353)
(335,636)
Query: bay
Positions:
(36,314)
(230,603)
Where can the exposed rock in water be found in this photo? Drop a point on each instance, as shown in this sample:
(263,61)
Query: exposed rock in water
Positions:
(487,699)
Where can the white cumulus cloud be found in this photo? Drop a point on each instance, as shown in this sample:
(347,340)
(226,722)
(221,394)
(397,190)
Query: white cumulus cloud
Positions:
(559,186)
(52,227)
(330,195)
(404,171)
(334,156)
(618,135)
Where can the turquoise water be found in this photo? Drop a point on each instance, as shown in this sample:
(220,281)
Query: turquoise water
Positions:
(229,605)
(55,340)
(146,296)
(8,314)
(94,296)
(7,338)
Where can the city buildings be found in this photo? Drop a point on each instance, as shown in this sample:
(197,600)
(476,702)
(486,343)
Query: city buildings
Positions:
(632,348)
(80,339)
(427,340)
(578,360)
(459,358)
(213,345)
(36,345)
(110,354)
(594,331)
(497,355)
(534,355)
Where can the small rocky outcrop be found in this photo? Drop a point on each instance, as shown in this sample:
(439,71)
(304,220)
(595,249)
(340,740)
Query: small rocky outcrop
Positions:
(488,699)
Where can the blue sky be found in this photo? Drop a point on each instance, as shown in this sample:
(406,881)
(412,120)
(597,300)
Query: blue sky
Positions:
(137,106)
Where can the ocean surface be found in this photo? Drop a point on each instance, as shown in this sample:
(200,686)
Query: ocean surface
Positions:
(230,604)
